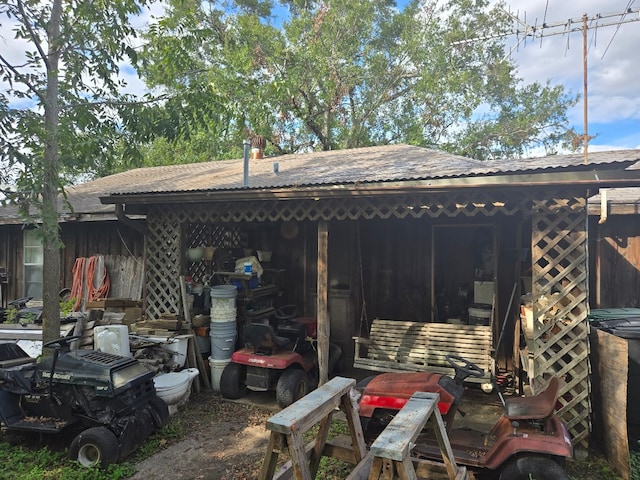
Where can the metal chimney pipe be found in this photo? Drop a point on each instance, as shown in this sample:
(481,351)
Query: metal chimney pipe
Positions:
(247,145)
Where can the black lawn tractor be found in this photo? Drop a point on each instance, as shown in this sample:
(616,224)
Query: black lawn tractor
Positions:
(109,401)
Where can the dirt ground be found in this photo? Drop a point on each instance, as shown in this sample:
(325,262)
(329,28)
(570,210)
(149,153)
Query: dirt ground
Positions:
(227,440)
(223,440)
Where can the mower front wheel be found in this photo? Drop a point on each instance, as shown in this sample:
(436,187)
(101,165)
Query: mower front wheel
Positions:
(292,385)
(95,447)
(233,381)
(533,467)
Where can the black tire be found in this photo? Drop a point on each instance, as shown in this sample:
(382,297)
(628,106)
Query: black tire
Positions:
(162,410)
(533,468)
(292,385)
(95,447)
(233,381)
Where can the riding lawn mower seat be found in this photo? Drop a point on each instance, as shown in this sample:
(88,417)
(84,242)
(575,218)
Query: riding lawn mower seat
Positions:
(538,406)
(296,332)
(263,338)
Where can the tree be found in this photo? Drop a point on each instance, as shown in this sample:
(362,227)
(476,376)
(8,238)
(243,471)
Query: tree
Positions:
(59,112)
(324,75)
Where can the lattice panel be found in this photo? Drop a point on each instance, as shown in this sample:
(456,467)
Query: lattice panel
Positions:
(560,307)
(401,206)
(163,262)
(202,235)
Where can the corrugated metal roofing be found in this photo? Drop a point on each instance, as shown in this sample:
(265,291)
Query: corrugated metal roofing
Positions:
(343,167)
(340,167)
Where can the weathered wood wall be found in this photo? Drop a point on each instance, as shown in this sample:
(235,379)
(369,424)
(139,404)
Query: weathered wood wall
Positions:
(82,239)
(615,262)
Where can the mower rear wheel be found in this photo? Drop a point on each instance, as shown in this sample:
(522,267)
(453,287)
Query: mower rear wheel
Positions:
(160,407)
(533,468)
(233,381)
(292,385)
(95,447)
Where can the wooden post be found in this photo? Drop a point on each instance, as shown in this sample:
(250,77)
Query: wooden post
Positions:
(324,329)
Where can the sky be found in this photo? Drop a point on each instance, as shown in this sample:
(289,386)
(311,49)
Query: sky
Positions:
(613,86)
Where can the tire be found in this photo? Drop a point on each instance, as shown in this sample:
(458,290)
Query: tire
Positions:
(233,381)
(533,468)
(95,447)
(161,409)
(292,385)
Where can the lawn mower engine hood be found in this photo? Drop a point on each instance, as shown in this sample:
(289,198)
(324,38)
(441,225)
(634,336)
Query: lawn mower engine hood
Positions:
(391,391)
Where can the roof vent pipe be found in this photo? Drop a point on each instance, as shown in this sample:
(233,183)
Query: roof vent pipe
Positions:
(246,145)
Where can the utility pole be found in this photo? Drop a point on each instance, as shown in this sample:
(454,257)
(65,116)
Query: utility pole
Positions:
(524,32)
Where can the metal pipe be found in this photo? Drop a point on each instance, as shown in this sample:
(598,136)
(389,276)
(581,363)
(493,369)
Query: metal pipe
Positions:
(247,145)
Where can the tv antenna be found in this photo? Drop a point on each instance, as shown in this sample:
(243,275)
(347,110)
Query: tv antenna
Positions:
(525,31)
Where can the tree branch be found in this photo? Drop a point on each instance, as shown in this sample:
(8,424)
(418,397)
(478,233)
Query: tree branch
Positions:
(21,78)
(32,34)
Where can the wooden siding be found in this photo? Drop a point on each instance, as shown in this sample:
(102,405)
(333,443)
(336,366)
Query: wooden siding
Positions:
(83,239)
(615,262)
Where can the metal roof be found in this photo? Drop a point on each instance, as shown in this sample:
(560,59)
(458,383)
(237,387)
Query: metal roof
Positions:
(620,201)
(347,169)
(391,163)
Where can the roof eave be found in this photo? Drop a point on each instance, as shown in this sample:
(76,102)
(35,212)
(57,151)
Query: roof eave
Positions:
(592,179)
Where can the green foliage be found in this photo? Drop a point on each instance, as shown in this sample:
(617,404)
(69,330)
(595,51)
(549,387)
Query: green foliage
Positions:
(22,463)
(343,74)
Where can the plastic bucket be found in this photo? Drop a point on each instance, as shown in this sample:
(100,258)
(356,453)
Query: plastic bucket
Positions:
(217,366)
(223,339)
(203,341)
(223,302)
(479,314)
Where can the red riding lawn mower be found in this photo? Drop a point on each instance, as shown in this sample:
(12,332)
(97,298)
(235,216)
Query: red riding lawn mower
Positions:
(527,442)
(281,358)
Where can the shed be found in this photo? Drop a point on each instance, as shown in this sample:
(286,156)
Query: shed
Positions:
(396,232)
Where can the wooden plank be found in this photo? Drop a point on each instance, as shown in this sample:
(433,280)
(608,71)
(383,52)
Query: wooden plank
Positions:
(395,440)
(308,411)
(610,377)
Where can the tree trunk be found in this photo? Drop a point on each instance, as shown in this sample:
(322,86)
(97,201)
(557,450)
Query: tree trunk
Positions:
(50,228)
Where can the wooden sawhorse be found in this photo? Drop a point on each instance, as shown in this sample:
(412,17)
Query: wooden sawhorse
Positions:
(288,426)
(390,454)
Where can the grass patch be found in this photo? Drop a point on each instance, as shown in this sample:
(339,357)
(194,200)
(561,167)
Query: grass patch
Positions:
(28,462)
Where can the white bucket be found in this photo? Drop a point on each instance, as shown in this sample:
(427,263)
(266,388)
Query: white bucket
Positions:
(479,314)
(223,302)
(217,366)
(112,339)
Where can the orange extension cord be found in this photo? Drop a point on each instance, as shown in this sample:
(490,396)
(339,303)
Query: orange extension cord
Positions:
(79,282)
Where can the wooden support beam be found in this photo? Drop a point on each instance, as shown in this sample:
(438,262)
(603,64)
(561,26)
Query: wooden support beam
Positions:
(324,328)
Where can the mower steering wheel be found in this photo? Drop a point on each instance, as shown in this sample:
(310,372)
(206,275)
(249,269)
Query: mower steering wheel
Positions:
(62,343)
(464,368)
(286,312)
